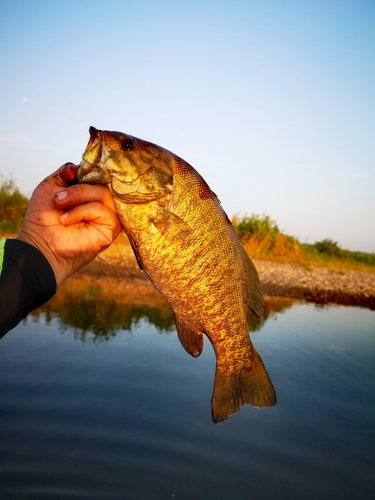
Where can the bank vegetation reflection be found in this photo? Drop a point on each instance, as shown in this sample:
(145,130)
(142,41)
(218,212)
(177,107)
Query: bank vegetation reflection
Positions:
(97,310)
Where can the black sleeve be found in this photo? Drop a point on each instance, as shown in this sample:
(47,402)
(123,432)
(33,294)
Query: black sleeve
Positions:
(26,282)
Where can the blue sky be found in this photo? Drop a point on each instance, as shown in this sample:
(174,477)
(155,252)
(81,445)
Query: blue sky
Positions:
(272,101)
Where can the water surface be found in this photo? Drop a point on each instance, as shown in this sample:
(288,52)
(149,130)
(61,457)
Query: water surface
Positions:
(124,412)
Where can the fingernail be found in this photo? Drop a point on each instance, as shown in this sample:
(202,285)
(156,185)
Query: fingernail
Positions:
(64,217)
(62,195)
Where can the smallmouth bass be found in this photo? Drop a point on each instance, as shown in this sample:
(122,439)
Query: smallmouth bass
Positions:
(184,241)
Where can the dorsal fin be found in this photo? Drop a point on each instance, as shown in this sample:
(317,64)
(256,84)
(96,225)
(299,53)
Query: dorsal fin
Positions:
(253,295)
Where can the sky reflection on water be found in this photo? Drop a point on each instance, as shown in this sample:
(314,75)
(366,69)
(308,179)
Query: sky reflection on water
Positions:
(129,418)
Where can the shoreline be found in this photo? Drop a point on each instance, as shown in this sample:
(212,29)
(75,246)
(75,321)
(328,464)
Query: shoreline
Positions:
(318,285)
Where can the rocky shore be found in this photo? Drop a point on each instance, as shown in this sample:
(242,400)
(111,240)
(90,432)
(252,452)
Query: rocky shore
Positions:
(318,285)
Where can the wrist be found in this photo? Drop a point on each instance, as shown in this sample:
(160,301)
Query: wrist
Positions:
(46,251)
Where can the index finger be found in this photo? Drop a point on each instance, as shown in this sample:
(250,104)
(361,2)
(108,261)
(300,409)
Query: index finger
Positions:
(80,194)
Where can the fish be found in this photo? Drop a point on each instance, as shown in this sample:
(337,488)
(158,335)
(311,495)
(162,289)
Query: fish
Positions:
(185,242)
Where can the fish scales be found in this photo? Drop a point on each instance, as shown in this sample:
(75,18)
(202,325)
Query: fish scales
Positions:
(185,242)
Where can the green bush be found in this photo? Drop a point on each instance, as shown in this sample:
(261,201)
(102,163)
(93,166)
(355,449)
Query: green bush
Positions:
(360,257)
(13,206)
(255,226)
(329,247)
(261,237)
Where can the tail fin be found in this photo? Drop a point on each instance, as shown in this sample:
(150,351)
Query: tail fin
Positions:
(232,390)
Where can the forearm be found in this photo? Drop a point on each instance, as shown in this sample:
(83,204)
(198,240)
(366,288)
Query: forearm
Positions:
(26,282)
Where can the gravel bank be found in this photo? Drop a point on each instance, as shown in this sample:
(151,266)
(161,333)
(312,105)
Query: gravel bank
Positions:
(319,285)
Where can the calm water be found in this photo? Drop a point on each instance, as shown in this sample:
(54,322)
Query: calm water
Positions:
(126,414)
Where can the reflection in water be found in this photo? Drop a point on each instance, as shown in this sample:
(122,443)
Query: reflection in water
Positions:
(97,310)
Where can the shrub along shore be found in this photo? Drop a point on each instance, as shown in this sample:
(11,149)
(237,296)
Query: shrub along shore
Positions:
(263,240)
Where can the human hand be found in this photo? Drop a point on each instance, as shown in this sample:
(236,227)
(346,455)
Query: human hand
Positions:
(70,225)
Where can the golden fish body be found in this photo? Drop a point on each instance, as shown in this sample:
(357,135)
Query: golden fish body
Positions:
(185,242)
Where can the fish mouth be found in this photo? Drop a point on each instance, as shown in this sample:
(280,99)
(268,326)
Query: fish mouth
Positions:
(90,169)
(92,174)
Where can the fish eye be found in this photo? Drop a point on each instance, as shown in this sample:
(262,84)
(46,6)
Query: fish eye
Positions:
(127,144)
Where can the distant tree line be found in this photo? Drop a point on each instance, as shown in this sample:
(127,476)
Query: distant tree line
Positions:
(13,206)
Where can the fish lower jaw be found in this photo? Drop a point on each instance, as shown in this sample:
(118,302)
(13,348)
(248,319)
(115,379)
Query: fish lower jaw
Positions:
(92,174)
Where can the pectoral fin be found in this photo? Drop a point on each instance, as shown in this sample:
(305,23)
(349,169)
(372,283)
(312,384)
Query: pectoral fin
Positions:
(190,338)
(170,223)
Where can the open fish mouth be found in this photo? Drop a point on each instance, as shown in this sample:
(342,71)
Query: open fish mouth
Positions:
(92,174)
(90,171)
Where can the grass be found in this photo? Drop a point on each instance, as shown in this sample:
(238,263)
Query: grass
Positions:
(263,240)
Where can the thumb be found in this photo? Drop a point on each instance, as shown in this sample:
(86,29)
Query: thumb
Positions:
(64,176)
